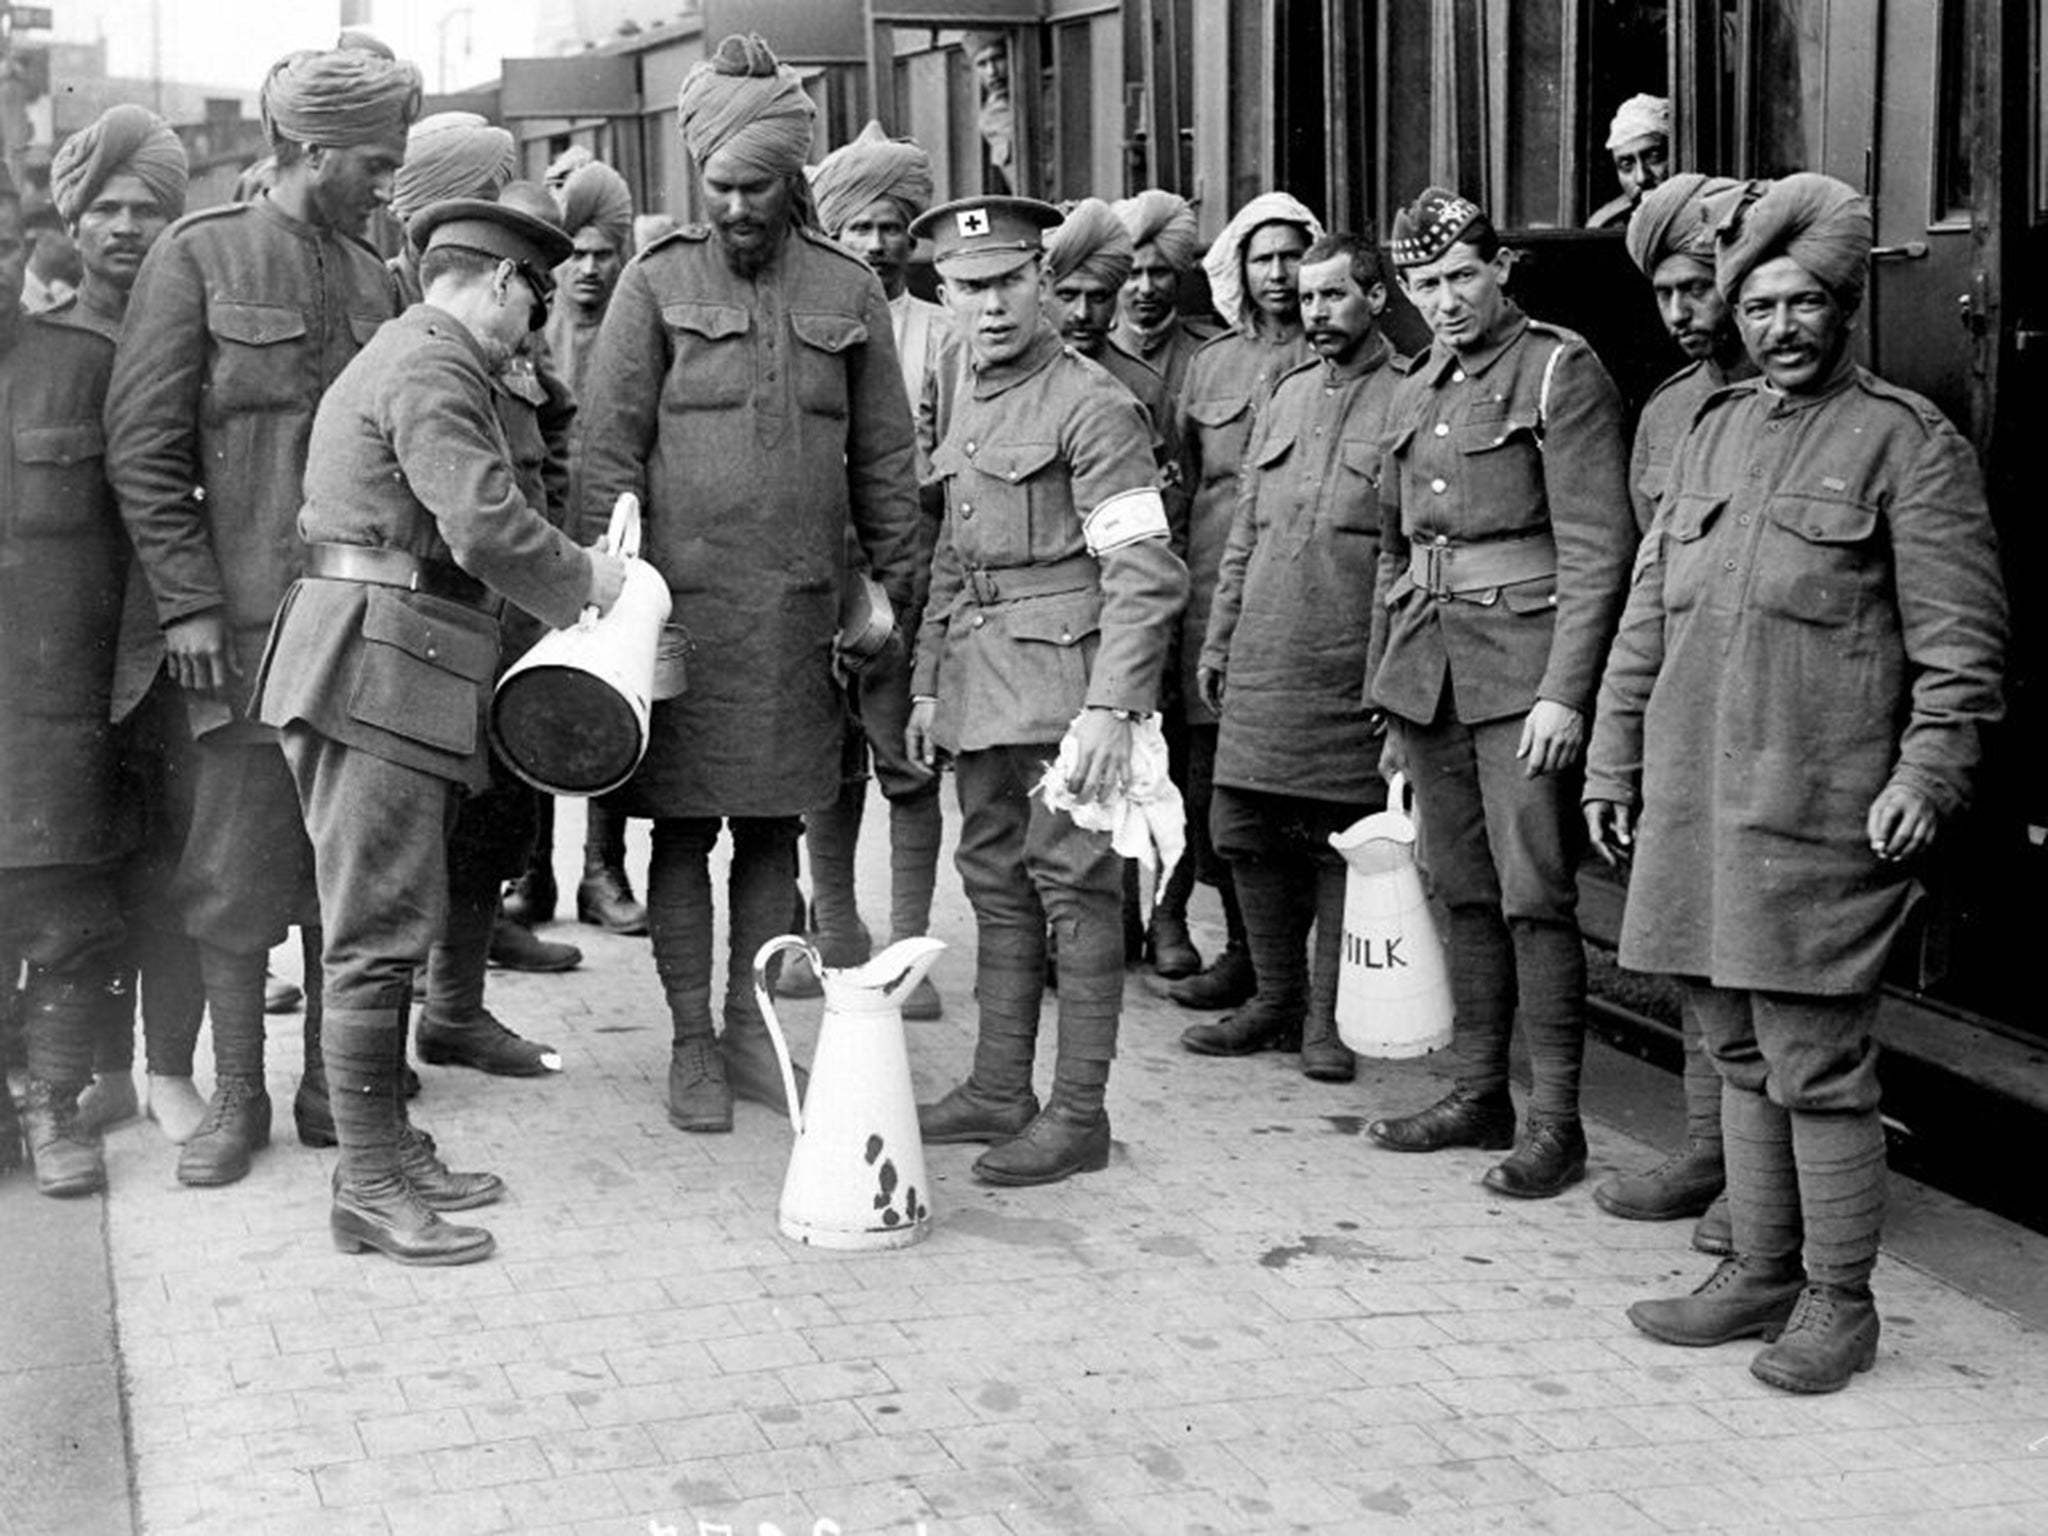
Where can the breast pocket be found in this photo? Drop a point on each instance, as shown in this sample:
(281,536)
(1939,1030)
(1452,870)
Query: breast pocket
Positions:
(1222,423)
(424,666)
(1056,641)
(711,365)
(1023,507)
(1821,560)
(823,341)
(1355,507)
(1502,467)
(61,470)
(258,361)
(1686,560)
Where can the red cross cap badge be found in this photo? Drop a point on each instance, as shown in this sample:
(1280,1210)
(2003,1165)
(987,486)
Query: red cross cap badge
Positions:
(971,222)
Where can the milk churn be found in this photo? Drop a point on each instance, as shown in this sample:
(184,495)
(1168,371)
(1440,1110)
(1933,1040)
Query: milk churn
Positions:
(1393,990)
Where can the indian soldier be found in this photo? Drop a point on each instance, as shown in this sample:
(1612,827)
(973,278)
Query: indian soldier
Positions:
(1150,325)
(1053,594)
(447,155)
(746,386)
(868,193)
(1297,752)
(1504,562)
(64,833)
(1639,144)
(241,317)
(1087,260)
(1671,237)
(995,118)
(1793,714)
(1252,268)
(118,183)
(379,673)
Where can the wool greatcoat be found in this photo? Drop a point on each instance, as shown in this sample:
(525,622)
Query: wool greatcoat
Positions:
(1818,613)
(1224,387)
(1293,608)
(755,417)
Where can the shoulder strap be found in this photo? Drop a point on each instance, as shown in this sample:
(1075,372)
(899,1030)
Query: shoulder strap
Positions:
(1543,391)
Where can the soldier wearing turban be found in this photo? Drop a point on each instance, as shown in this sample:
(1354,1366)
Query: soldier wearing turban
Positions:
(1639,140)
(1150,325)
(1793,714)
(240,318)
(117,183)
(452,154)
(746,386)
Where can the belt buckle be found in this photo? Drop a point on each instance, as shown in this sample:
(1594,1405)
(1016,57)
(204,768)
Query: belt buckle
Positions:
(983,581)
(1435,556)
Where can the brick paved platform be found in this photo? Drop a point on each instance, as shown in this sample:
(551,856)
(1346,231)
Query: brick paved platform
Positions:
(1254,1321)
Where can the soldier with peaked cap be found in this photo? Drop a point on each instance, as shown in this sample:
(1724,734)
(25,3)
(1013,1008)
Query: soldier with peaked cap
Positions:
(1504,562)
(1671,237)
(746,386)
(1053,596)
(1794,712)
(379,670)
(868,194)
(239,320)
(1252,269)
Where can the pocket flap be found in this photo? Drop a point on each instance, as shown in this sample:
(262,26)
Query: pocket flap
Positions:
(1218,411)
(1485,436)
(1692,515)
(72,443)
(363,327)
(1066,618)
(947,460)
(1014,461)
(1361,455)
(1824,520)
(827,332)
(256,325)
(711,321)
(445,635)
(1272,450)
(1530,596)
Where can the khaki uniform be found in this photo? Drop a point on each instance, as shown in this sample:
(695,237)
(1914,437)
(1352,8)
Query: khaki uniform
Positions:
(1168,350)
(1667,416)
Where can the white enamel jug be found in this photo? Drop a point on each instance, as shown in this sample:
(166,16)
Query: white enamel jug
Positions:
(1393,988)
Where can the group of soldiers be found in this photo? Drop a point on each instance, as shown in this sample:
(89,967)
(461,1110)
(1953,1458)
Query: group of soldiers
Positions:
(272,535)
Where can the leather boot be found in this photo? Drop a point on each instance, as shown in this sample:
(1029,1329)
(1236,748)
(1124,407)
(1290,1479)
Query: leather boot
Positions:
(1325,1058)
(996,1101)
(1249,1030)
(1742,1299)
(1058,1143)
(1227,982)
(699,1097)
(485,1044)
(1715,1231)
(605,899)
(753,1069)
(967,1114)
(529,901)
(236,1127)
(1684,1184)
(67,1160)
(1461,1118)
(281,996)
(108,1100)
(515,947)
(1551,1158)
(1831,1336)
(1169,946)
(375,1204)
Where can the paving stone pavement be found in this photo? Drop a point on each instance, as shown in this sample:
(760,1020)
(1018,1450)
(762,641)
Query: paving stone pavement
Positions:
(1253,1321)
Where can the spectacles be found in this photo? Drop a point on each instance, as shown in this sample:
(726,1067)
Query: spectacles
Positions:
(542,287)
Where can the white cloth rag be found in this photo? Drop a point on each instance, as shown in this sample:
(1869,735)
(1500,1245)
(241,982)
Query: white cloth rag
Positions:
(1145,820)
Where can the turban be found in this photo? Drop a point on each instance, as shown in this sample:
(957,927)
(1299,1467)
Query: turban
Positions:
(451,154)
(123,140)
(343,97)
(571,159)
(1160,218)
(874,166)
(1679,218)
(1092,241)
(1819,222)
(1640,117)
(595,197)
(1225,262)
(744,102)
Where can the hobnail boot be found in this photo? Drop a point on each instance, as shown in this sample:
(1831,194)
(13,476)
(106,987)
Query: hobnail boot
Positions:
(1055,1145)
(516,947)
(604,899)
(1741,1299)
(1831,1336)
(1251,1029)
(1459,1119)
(753,1069)
(1715,1231)
(385,1213)
(485,1044)
(236,1126)
(1172,951)
(530,900)
(439,1187)
(699,1098)
(1226,983)
(67,1161)
(1684,1184)
(968,1115)
(1551,1158)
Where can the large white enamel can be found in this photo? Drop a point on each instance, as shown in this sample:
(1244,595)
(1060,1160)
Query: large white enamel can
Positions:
(1393,988)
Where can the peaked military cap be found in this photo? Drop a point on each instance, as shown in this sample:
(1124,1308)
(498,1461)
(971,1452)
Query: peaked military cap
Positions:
(1431,225)
(496,229)
(980,237)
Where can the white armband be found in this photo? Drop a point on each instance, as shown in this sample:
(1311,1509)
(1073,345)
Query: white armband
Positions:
(1124,519)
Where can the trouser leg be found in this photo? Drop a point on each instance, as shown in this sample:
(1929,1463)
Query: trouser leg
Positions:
(1756,1134)
(916,828)
(680,920)
(831,836)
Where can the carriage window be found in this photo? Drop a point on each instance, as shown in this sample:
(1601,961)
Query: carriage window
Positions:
(1956,122)
(1628,53)
(1791,81)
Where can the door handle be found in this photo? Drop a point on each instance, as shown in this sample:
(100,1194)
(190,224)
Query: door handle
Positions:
(1912,250)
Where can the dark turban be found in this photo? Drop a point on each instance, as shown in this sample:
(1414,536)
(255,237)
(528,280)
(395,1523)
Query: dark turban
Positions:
(1679,217)
(1164,219)
(1225,262)
(1090,240)
(595,197)
(451,154)
(341,97)
(123,140)
(1821,223)
(745,102)
(874,166)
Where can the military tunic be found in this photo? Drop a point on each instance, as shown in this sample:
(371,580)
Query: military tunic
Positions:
(1293,608)
(1667,416)
(1819,614)
(756,418)
(1167,349)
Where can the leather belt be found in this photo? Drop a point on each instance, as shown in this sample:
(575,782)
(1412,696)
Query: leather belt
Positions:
(382,567)
(1076,573)
(1448,570)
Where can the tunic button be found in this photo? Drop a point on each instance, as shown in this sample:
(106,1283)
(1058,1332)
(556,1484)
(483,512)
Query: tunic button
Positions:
(970,447)
(1457,375)
(1728,565)
(1744,519)
(1443,429)
(979,620)
(1013,474)
(1439,486)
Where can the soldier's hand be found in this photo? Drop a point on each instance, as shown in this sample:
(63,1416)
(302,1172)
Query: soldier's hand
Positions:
(1612,828)
(607,579)
(1553,738)
(918,745)
(1393,756)
(1103,765)
(198,652)
(1902,822)
(1209,686)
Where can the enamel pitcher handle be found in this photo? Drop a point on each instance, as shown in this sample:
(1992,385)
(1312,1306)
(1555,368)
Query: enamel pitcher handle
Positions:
(762,956)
